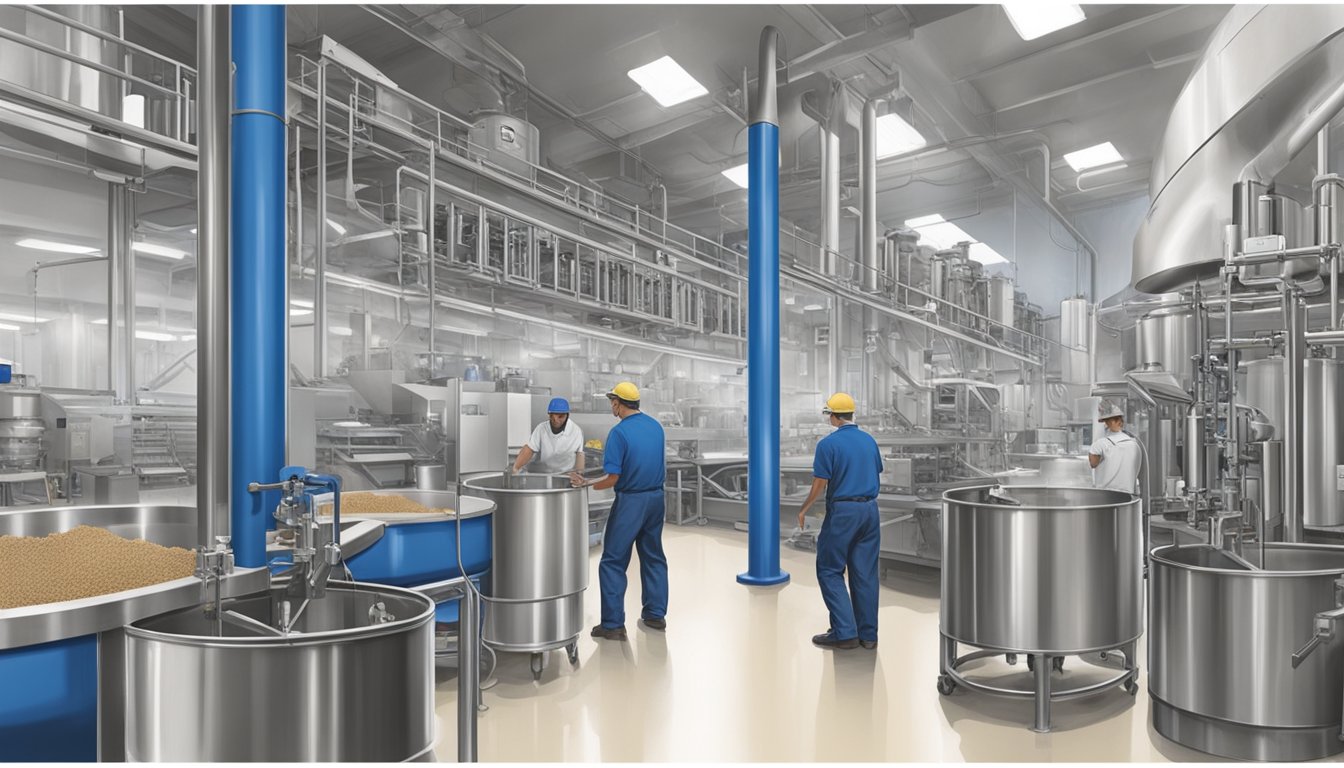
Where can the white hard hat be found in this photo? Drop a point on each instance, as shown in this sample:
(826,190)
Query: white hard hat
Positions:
(1109,410)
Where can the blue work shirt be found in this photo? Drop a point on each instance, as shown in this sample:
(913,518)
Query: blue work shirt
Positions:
(849,460)
(635,452)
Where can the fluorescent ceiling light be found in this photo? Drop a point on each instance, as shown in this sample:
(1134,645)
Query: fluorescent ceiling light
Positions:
(159,250)
(542,355)
(100,321)
(463,331)
(23,318)
(300,312)
(304,303)
(936,231)
(189,337)
(47,245)
(985,255)
(895,136)
(8,327)
(339,330)
(1093,157)
(813,308)
(155,336)
(667,82)
(1033,19)
(193,230)
(738,174)
(340,230)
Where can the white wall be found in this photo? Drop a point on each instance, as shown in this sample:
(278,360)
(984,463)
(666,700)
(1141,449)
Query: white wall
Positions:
(1112,229)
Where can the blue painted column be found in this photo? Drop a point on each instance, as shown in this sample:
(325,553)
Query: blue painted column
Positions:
(763,327)
(258,368)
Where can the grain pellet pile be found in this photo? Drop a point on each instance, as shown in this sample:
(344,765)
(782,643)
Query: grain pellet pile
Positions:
(382,504)
(83,562)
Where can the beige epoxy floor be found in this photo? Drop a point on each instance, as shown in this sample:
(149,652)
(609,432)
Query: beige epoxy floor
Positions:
(736,678)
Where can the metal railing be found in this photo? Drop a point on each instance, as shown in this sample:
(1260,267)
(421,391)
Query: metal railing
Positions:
(166,84)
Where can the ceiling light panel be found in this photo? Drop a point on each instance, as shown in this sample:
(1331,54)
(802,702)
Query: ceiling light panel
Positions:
(667,82)
(54,247)
(1036,19)
(1094,157)
(896,136)
(159,250)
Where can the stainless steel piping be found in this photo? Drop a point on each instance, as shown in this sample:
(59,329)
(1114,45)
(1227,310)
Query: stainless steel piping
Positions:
(830,179)
(212,265)
(429,241)
(765,109)
(1292,430)
(117,358)
(320,227)
(868,183)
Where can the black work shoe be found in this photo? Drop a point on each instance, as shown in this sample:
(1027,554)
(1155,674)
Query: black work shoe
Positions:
(828,641)
(658,624)
(868,644)
(602,633)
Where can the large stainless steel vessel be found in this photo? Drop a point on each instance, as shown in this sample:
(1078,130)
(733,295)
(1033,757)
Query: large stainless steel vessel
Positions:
(355,683)
(1222,636)
(1323,443)
(539,563)
(1062,573)
(1048,572)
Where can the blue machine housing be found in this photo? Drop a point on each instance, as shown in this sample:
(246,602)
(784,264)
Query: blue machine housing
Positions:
(414,553)
(49,702)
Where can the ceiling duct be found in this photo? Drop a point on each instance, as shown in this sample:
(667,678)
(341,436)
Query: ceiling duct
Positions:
(1264,73)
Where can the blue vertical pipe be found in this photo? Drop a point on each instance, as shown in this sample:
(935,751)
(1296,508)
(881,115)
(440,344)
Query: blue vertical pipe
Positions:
(257,273)
(763,327)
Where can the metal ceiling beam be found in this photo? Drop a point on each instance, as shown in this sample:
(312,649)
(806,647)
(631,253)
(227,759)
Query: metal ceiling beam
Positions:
(1159,64)
(844,50)
(1071,44)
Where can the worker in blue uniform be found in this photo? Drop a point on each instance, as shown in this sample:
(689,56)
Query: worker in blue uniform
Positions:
(847,467)
(635,466)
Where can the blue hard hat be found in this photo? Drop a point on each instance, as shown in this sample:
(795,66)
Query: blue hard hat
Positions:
(558,405)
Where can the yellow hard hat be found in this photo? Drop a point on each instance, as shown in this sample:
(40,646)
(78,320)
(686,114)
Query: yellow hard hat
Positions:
(625,391)
(839,403)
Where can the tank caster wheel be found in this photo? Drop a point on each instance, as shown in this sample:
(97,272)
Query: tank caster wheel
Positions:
(538,665)
(1131,687)
(946,685)
(1031,663)
(1011,658)
(1058,663)
(572,650)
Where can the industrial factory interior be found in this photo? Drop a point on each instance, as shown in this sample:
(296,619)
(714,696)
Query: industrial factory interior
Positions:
(654,383)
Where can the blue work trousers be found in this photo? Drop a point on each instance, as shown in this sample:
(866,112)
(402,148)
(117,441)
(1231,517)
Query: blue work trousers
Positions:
(635,522)
(850,540)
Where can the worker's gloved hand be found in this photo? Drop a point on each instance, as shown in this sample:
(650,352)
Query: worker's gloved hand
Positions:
(576,480)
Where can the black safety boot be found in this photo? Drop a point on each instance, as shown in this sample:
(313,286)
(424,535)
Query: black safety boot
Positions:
(602,633)
(828,640)
(659,624)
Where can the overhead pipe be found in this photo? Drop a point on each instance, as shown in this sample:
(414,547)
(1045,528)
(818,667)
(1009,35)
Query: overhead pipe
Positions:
(830,179)
(118,246)
(320,228)
(212,284)
(763,326)
(257,266)
(868,183)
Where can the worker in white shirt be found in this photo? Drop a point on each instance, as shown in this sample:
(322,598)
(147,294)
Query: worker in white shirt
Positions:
(556,444)
(1116,455)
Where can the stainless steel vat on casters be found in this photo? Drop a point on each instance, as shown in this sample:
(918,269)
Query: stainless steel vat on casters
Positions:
(538,564)
(1246,656)
(1043,572)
